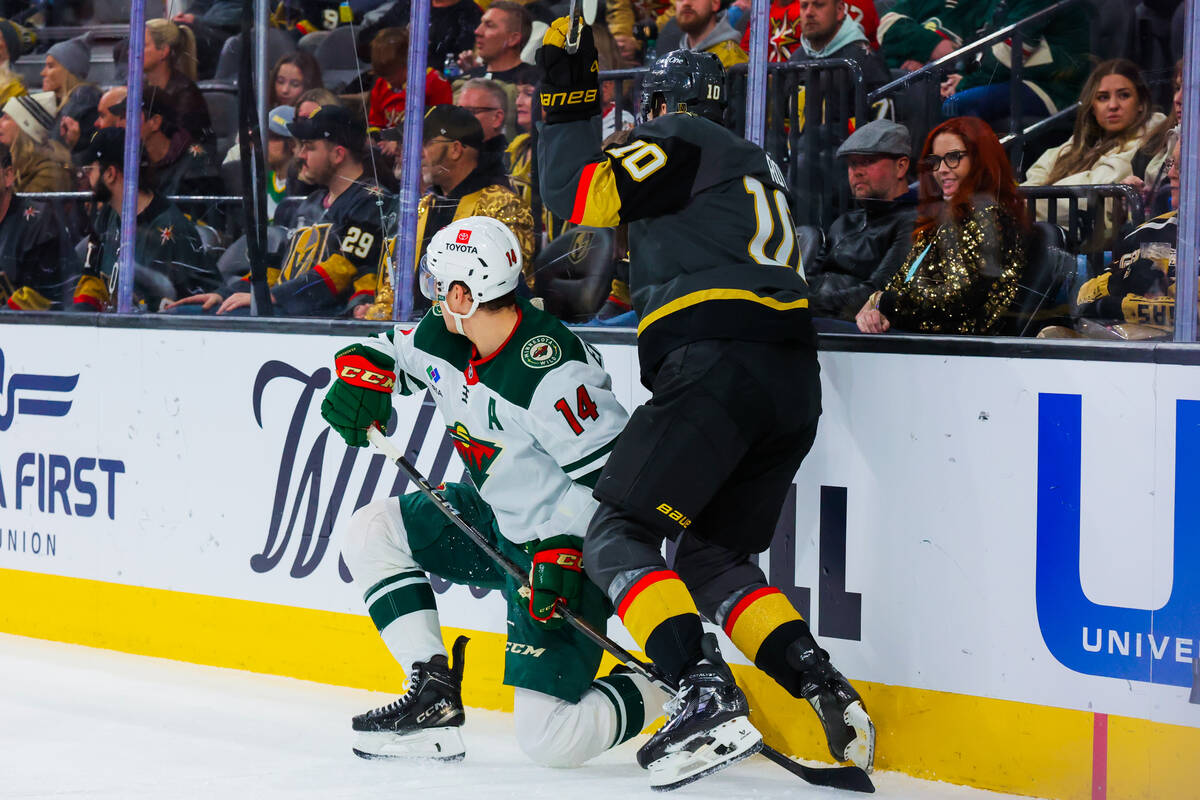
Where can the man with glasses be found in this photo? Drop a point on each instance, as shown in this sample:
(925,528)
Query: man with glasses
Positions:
(462,185)
(866,245)
(488,101)
(169,261)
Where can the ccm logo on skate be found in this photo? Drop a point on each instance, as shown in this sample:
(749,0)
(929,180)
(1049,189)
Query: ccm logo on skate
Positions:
(675,516)
(439,707)
(524,649)
(1150,645)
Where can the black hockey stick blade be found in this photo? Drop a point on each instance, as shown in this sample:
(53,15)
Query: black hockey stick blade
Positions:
(851,779)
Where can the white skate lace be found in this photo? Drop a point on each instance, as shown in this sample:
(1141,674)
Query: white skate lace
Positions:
(410,690)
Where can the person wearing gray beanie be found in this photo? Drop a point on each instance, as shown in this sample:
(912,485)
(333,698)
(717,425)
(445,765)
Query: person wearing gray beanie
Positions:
(74,55)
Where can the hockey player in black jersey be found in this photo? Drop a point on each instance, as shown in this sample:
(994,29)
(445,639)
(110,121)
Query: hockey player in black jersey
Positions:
(726,346)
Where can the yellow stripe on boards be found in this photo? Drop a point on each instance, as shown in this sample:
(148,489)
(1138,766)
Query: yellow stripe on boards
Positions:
(1000,745)
(323,646)
(695,298)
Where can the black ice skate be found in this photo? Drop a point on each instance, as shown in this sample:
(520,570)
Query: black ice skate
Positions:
(848,729)
(707,728)
(424,722)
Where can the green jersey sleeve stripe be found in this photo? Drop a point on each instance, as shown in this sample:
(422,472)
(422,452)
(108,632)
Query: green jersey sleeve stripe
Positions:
(589,480)
(588,459)
(388,581)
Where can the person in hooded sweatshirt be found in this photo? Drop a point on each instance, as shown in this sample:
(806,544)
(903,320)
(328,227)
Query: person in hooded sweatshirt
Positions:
(829,32)
(701,27)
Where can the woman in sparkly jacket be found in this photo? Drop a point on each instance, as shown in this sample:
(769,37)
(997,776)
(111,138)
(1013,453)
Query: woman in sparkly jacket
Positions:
(967,255)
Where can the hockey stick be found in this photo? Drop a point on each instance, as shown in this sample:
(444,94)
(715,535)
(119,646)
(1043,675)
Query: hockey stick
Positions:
(853,779)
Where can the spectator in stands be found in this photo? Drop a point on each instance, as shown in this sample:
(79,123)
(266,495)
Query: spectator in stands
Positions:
(1148,174)
(463,185)
(77,120)
(783,40)
(282,179)
(452,25)
(702,27)
(1135,297)
(866,245)
(293,75)
(65,74)
(41,164)
(15,40)
(624,15)
(32,267)
(212,23)
(524,106)
(337,245)
(501,34)
(170,262)
(170,66)
(313,99)
(389,62)
(1114,118)
(829,32)
(967,253)
(1055,54)
(105,116)
(488,101)
(181,166)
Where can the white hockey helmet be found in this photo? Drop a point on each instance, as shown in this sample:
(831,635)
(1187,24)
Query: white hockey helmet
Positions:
(481,253)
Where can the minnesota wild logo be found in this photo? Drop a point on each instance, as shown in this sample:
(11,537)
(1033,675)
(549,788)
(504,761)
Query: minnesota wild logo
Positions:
(476,454)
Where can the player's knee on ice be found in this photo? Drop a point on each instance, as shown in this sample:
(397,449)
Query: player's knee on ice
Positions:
(555,733)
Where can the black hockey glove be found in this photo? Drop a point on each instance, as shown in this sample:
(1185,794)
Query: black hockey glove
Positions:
(362,394)
(570,88)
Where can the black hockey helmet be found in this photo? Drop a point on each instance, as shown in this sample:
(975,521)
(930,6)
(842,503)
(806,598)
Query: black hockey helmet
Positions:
(686,80)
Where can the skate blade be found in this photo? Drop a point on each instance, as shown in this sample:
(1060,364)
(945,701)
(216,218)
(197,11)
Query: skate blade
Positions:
(861,750)
(727,744)
(430,744)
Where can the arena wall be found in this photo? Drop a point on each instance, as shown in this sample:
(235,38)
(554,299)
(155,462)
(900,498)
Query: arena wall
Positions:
(1001,551)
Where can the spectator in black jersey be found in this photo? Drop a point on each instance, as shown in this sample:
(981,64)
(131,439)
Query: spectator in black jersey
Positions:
(502,32)
(170,67)
(169,261)
(452,25)
(33,256)
(866,245)
(338,235)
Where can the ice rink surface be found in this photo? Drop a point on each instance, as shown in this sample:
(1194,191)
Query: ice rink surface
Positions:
(77,722)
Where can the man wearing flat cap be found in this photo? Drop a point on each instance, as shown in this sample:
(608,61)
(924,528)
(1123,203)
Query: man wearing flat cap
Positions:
(336,243)
(462,186)
(866,245)
(169,262)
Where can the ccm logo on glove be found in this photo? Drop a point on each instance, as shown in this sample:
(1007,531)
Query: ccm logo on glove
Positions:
(358,371)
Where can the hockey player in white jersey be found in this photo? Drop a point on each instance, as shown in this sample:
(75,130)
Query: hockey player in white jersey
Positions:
(531,412)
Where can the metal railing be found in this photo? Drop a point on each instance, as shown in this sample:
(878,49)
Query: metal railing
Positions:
(933,73)
(1095,216)
(1015,143)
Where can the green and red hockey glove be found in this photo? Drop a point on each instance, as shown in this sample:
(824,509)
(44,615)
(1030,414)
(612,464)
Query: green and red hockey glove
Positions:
(555,577)
(362,394)
(570,88)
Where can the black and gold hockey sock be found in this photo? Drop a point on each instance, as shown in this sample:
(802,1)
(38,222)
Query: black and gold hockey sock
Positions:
(661,616)
(763,625)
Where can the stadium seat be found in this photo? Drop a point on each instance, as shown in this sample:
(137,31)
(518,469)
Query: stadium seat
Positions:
(338,57)
(573,274)
(1048,272)
(234,261)
(223,108)
(809,238)
(279,44)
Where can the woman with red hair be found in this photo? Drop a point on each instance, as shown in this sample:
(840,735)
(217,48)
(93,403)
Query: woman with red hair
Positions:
(961,274)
